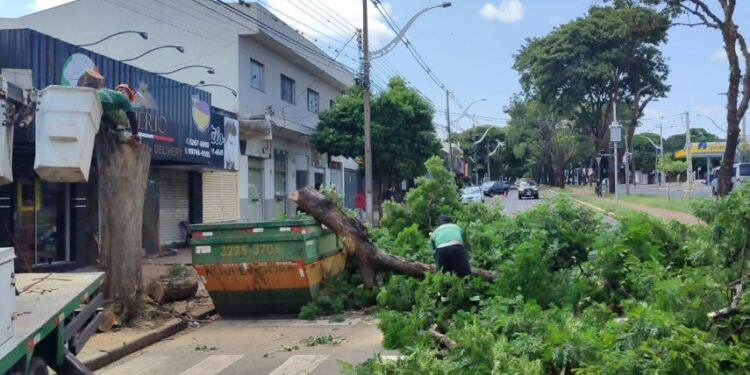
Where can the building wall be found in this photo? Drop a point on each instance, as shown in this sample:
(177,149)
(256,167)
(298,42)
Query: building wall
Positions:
(254,101)
(208,39)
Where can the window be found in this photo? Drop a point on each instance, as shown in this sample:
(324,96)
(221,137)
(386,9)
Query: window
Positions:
(256,75)
(287,89)
(313,101)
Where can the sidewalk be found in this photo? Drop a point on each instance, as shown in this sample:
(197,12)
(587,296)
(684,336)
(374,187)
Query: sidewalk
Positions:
(653,211)
(156,323)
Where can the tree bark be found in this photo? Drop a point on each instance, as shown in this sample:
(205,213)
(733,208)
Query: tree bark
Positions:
(170,290)
(357,241)
(123,172)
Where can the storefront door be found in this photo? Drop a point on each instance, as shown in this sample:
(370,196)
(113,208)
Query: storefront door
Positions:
(39,226)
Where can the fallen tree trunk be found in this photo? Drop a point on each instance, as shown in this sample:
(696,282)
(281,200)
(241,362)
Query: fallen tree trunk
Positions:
(357,241)
(170,290)
(442,340)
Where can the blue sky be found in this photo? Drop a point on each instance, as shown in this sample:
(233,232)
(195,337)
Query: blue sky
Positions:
(470,47)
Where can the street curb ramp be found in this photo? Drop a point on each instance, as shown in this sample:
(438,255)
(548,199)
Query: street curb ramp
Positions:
(170,328)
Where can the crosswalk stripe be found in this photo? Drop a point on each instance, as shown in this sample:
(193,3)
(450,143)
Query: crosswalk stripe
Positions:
(142,365)
(299,364)
(212,365)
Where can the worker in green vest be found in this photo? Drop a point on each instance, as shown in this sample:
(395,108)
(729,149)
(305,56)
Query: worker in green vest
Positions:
(447,244)
(119,117)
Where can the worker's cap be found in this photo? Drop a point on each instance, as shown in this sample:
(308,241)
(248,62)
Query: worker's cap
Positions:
(127,90)
(444,219)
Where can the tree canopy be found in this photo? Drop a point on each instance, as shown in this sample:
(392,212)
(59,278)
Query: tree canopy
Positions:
(403,136)
(580,68)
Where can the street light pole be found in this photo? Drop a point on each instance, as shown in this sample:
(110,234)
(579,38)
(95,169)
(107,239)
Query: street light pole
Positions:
(688,147)
(366,113)
(366,93)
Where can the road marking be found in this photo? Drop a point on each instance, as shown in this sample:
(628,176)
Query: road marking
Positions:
(212,365)
(299,364)
(141,365)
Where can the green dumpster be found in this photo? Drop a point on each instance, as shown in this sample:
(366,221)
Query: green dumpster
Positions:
(265,267)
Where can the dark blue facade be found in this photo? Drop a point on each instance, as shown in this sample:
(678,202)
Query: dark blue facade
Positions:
(174,117)
(54,225)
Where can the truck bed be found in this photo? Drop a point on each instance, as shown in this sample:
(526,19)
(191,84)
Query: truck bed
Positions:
(44,300)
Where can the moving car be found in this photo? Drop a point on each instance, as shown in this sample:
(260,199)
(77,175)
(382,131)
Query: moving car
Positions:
(486,186)
(527,188)
(497,188)
(472,195)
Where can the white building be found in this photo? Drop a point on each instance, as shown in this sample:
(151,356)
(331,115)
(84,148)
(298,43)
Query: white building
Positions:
(281,81)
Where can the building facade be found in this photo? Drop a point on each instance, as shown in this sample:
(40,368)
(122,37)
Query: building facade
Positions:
(273,78)
(56,224)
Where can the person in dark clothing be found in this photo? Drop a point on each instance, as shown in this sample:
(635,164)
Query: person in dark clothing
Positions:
(448,246)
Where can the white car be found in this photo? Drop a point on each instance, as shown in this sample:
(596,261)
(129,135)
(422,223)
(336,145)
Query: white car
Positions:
(472,195)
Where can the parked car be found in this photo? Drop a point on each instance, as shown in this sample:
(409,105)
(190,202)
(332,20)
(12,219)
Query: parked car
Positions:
(740,173)
(527,188)
(472,195)
(497,188)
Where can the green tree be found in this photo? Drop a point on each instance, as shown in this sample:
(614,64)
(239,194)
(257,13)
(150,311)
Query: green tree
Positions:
(503,162)
(676,142)
(403,135)
(721,18)
(581,68)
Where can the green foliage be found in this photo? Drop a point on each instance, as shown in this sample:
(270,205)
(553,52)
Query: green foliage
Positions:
(403,135)
(338,293)
(575,296)
(177,271)
(433,195)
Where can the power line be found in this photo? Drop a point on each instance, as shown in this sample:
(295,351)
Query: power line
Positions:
(308,27)
(336,14)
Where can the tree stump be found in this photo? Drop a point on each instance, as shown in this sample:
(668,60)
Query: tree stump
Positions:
(122,172)
(170,290)
(357,241)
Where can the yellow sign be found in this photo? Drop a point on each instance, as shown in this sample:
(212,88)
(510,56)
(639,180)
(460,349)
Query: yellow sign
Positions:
(702,149)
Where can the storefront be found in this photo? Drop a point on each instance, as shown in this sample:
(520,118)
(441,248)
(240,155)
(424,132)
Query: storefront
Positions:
(56,224)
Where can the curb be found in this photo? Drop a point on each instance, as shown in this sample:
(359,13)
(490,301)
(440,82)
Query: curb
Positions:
(170,328)
(591,206)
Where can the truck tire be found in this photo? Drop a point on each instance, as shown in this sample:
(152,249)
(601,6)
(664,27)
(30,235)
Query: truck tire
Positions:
(38,366)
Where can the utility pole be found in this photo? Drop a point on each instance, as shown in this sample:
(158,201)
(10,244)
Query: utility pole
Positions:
(474,143)
(626,161)
(450,139)
(661,151)
(689,152)
(366,114)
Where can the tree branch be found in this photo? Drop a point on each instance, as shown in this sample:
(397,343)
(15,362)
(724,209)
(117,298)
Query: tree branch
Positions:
(706,13)
(732,309)
(742,109)
(711,25)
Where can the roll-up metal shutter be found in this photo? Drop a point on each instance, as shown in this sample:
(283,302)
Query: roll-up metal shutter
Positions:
(220,196)
(174,205)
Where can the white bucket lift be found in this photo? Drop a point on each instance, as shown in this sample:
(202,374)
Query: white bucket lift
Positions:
(67,121)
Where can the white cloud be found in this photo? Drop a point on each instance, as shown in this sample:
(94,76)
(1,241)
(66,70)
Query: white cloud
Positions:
(507,11)
(37,5)
(314,26)
(719,55)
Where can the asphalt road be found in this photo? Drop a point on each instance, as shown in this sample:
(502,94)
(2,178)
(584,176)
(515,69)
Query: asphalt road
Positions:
(512,205)
(276,347)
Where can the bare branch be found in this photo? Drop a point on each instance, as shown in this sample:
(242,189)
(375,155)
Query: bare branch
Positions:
(703,12)
(711,25)
(644,104)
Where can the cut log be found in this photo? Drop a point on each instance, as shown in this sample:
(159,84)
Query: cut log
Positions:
(357,241)
(170,290)
(109,320)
